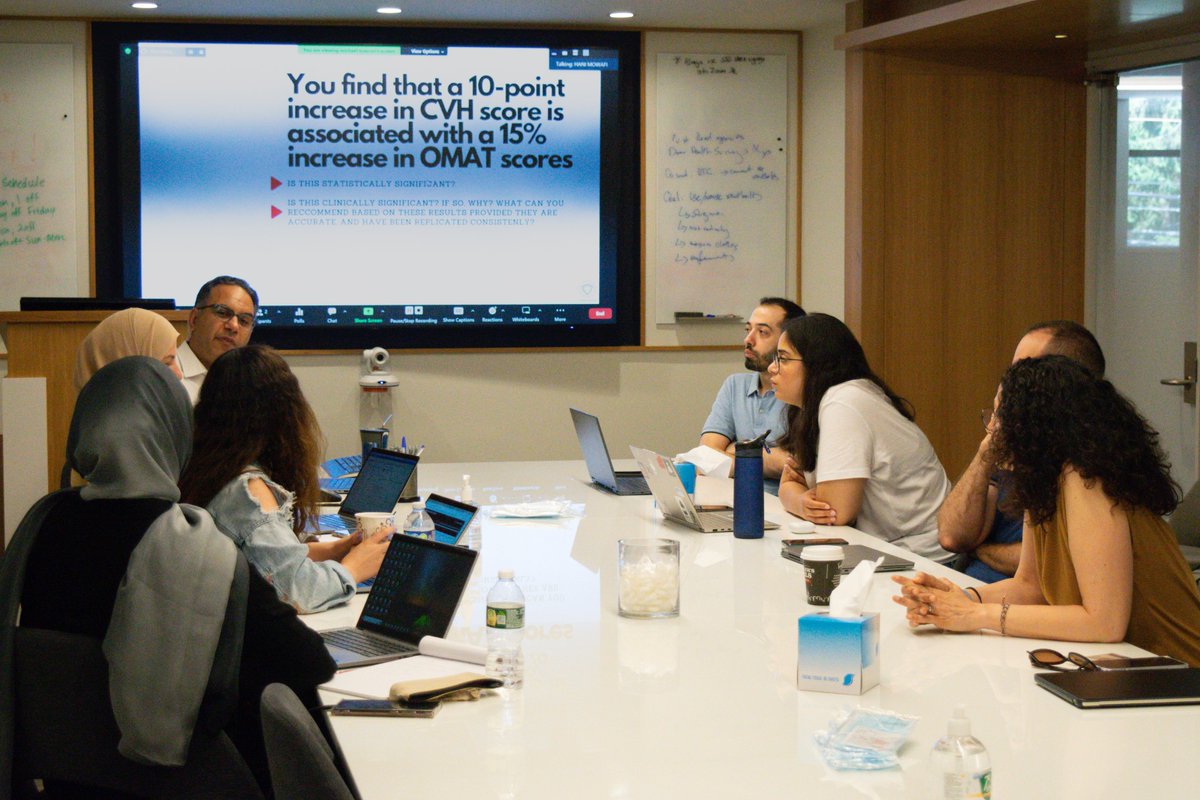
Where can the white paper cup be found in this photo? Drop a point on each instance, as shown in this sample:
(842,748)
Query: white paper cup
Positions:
(367,522)
(822,571)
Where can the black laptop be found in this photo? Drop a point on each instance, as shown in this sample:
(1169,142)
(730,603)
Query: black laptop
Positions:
(595,454)
(450,521)
(854,553)
(378,487)
(1124,687)
(416,593)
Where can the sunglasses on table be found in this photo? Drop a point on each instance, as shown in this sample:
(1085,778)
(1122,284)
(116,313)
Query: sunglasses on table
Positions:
(1045,658)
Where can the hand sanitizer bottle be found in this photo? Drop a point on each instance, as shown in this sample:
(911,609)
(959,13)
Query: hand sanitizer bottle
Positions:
(959,763)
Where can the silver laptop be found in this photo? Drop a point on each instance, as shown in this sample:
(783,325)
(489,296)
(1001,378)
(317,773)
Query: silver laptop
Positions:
(674,501)
(595,454)
(416,594)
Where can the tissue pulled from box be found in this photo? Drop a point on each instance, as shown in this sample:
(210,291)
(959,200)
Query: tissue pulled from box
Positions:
(850,595)
(707,460)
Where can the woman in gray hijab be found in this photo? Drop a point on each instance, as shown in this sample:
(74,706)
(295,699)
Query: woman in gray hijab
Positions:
(119,558)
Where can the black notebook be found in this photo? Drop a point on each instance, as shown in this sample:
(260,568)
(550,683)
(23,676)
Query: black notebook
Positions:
(1116,688)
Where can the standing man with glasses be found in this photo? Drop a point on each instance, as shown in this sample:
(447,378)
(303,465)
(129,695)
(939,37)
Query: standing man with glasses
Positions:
(746,406)
(970,521)
(221,320)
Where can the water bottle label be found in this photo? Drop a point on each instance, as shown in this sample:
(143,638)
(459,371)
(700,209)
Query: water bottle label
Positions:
(975,785)
(507,618)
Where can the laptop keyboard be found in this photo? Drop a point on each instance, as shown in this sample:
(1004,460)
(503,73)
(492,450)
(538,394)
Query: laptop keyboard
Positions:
(345,465)
(337,484)
(364,644)
(633,483)
(333,522)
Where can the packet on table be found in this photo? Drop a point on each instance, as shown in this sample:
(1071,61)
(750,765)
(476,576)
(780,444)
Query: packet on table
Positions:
(864,738)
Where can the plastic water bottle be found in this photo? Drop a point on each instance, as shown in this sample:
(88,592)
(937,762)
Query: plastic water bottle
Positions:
(419,523)
(468,494)
(959,762)
(505,629)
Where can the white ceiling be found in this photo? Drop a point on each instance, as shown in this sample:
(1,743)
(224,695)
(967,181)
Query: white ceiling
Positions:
(790,15)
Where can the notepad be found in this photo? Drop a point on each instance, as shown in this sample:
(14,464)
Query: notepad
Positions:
(1118,688)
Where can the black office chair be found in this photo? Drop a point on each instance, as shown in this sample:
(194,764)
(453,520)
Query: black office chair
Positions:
(303,764)
(56,720)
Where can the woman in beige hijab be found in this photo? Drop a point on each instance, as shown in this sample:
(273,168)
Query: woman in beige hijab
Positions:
(132,332)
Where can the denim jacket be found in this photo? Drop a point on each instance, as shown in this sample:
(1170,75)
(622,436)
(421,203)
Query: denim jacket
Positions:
(272,547)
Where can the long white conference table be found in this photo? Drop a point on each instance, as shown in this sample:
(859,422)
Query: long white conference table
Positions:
(705,705)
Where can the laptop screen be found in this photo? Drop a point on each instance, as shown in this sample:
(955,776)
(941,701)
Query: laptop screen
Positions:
(417,589)
(450,518)
(595,453)
(379,483)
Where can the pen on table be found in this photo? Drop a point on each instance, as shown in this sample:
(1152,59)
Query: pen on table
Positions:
(420,450)
(403,444)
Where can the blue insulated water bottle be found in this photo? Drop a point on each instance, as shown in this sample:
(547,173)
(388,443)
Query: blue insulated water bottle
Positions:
(748,488)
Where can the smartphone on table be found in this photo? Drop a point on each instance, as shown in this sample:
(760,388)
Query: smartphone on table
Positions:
(1112,661)
(384,708)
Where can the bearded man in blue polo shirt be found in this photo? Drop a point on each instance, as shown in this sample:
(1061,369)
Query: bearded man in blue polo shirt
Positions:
(746,406)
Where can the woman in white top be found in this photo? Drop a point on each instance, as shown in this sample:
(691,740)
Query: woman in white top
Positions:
(857,456)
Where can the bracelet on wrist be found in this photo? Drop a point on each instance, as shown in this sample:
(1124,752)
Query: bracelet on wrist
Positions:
(1003,615)
(972,590)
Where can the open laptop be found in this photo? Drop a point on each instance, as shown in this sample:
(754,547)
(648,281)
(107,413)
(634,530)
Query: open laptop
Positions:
(674,501)
(416,593)
(450,521)
(595,453)
(450,517)
(340,473)
(377,488)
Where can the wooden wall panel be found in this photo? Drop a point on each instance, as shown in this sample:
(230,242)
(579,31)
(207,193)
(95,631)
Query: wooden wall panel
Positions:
(969,224)
(44,344)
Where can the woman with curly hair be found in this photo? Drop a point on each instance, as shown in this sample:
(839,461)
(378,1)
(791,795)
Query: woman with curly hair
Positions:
(254,435)
(857,457)
(1098,563)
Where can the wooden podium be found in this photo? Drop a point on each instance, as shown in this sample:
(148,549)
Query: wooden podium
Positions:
(42,344)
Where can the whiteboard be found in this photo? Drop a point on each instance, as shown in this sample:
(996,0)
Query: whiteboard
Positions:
(38,232)
(721,161)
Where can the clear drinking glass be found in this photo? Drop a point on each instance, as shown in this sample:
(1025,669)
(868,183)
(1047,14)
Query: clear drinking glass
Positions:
(648,573)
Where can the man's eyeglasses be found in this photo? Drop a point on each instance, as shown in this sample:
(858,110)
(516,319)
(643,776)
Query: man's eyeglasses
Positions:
(986,416)
(780,360)
(225,313)
(1045,658)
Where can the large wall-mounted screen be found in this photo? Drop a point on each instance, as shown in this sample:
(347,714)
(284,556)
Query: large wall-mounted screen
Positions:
(405,187)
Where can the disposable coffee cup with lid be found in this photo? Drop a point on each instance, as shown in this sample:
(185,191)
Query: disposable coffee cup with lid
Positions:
(822,571)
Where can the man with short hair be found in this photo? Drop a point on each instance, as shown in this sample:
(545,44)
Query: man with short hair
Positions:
(746,405)
(970,521)
(221,320)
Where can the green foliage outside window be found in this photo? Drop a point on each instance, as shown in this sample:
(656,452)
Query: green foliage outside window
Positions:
(1152,202)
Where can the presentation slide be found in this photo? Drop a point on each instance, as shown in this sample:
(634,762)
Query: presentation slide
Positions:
(377,184)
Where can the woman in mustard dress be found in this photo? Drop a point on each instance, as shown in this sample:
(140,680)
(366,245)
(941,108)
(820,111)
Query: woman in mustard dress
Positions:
(1098,563)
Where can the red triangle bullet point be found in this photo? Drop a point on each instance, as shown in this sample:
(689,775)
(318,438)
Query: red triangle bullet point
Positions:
(275,212)
(275,183)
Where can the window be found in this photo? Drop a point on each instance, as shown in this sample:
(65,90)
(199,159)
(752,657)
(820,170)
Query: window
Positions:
(1150,108)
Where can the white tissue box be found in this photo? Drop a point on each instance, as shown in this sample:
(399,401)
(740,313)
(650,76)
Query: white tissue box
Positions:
(838,655)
